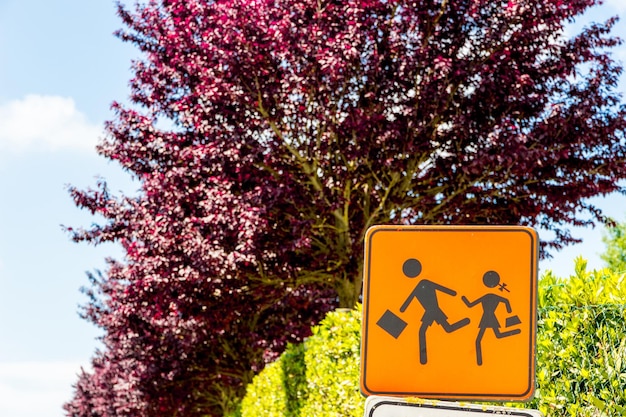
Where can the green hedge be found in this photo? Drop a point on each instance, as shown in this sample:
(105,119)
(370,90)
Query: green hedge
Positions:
(312,379)
(581,357)
(332,360)
(280,388)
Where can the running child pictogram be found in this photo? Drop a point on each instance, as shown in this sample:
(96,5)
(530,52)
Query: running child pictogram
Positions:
(490,302)
(425,293)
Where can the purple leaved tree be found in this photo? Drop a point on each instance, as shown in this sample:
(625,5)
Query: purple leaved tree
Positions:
(268,135)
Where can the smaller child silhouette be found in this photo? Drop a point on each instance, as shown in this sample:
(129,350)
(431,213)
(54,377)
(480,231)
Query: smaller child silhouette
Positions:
(489,320)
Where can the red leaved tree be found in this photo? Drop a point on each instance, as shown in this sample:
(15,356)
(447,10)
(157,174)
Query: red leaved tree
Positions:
(268,135)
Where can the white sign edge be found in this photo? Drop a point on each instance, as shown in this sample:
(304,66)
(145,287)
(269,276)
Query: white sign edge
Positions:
(417,407)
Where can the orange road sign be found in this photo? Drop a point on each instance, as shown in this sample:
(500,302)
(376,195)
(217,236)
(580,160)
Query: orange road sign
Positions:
(450,312)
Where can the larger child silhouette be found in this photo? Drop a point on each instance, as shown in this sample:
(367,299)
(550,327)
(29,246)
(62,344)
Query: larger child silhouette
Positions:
(489,320)
(426,293)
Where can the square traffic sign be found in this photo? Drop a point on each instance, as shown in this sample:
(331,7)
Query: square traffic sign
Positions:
(450,312)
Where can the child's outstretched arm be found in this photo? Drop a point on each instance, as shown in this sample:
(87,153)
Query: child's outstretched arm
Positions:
(470,303)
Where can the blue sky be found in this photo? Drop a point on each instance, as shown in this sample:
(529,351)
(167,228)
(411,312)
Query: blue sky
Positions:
(60,69)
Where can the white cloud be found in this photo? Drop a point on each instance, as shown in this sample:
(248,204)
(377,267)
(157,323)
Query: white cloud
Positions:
(36,389)
(45,123)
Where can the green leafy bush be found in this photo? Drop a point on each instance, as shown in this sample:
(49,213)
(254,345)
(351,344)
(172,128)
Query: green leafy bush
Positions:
(332,359)
(581,357)
(318,378)
(614,255)
(267,393)
(581,351)
(279,389)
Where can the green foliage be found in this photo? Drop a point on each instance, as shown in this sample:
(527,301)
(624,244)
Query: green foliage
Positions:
(279,389)
(317,378)
(581,356)
(581,351)
(294,378)
(615,254)
(332,358)
(263,393)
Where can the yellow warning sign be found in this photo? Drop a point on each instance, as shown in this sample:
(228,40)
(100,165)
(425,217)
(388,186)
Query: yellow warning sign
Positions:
(450,312)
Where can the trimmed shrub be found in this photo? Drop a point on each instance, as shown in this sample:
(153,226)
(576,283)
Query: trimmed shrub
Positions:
(313,378)
(581,352)
(266,392)
(279,389)
(332,360)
